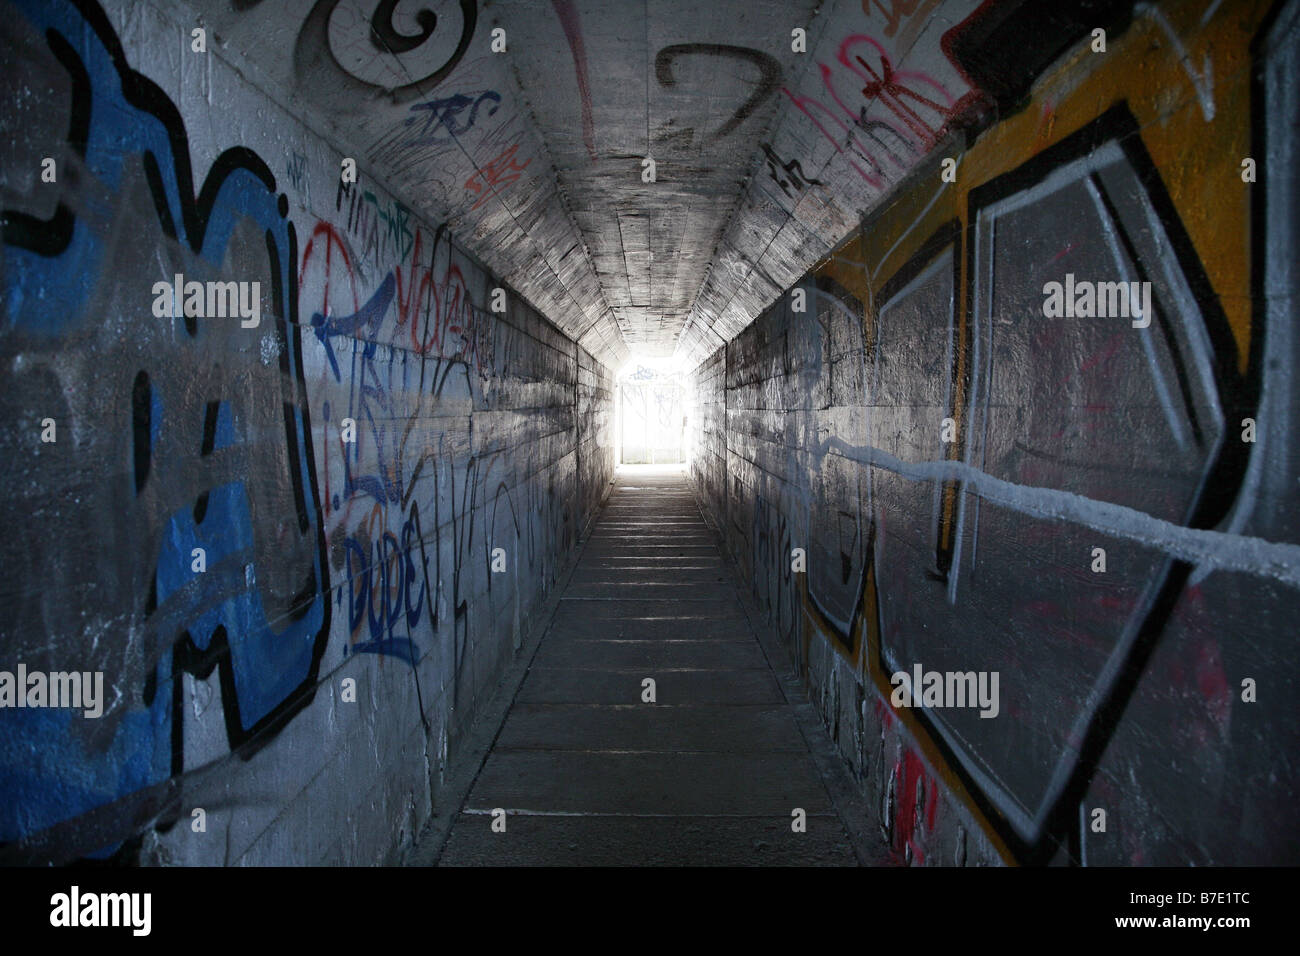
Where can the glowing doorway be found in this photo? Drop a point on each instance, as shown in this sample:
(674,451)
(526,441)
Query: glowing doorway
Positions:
(653,417)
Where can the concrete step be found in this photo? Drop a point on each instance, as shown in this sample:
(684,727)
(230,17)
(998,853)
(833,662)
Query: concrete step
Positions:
(686,728)
(636,783)
(591,773)
(765,840)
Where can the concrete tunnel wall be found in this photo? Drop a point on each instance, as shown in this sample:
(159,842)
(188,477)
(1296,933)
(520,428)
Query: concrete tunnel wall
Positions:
(1172,447)
(327,560)
(946,455)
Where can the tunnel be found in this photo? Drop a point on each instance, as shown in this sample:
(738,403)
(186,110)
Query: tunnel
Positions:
(583,433)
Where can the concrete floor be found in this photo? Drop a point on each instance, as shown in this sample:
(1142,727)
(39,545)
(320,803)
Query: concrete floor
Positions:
(710,773)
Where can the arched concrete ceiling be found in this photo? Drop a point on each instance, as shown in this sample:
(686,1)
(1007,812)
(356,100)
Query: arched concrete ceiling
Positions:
(765,157)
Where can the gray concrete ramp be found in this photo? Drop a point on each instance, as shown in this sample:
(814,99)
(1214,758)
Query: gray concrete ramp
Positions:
(589,772)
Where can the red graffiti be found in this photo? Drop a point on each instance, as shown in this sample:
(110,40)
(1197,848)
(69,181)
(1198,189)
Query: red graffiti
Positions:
(920,108)
(327,246)
(334,244)
(499,173)
(896,89)
(803,103)
(917,799)
(415,286)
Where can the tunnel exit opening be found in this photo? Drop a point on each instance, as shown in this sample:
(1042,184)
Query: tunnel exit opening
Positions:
(653,416)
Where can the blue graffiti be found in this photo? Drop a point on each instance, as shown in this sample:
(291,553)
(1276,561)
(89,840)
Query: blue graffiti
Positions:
(444,115)
(387,565)
(51,269)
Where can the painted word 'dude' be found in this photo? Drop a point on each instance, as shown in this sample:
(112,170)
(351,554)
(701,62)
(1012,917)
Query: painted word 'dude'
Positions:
(210,300)
(1086,300)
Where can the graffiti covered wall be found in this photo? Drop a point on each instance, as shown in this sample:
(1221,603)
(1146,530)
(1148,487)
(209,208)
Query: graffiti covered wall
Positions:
(596,442)
(299,542)
(1096,502)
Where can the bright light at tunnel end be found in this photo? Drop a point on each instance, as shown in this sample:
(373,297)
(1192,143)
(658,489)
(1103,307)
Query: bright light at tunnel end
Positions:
(654,414)
(666,366)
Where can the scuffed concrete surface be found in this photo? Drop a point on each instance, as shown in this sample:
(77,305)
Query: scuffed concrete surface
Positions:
(350,466)
(948,456)
(1087,504)
(589,771)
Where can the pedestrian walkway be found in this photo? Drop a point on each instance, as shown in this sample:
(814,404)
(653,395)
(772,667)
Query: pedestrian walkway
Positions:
(591,771)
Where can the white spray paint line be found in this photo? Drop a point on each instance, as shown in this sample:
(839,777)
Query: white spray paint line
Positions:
(981,325)
(1200,349)
(1215,549)
(1203,82)
(941,265)
(1209,11)
(1274,415)
(908,231)
(1177,427)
